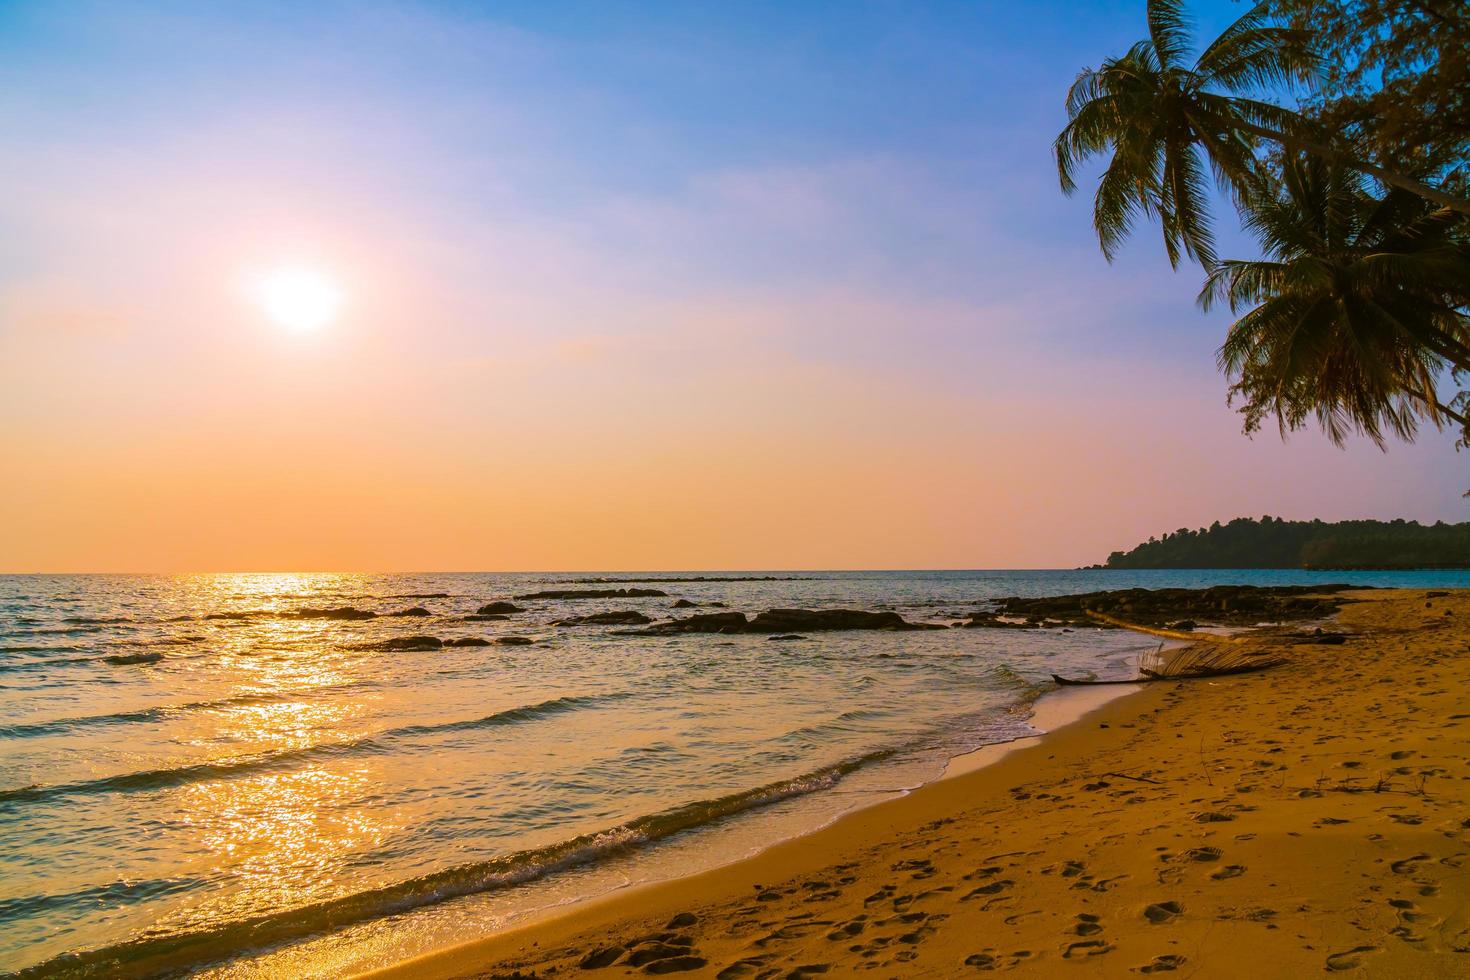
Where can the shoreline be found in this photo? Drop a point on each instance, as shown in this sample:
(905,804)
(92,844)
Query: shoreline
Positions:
(1054,709)
(1164,827)
(1053,713)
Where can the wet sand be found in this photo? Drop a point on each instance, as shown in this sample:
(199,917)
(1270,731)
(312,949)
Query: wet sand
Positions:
(1312,818)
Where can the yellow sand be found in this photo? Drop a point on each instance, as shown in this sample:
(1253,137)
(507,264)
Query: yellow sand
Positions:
(1309,819)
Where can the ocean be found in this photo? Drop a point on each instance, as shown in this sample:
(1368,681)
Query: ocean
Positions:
(203,774)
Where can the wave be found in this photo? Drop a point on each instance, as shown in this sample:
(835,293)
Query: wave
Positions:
(50,662)
(154,779)
(161,712)
(843,723)
(155,955)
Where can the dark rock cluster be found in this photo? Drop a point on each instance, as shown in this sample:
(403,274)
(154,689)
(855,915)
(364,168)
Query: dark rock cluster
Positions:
(627,617)
(1181,609)
(596,594)
(789,621)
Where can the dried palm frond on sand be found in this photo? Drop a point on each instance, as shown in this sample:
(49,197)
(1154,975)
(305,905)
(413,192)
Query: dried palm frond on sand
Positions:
(1198,660)
(1205,660)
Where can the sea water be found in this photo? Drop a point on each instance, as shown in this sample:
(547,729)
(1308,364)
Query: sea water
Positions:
(197,775)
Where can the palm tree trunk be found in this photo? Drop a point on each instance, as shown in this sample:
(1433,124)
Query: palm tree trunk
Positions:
(1293,142)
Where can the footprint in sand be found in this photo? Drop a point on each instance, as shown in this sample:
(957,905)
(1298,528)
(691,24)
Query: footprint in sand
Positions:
(1087,947)
(1350,959)
(988,959)
(847,930)
(1167,963)
(1408,864)
(1410,915)
(1162,912)
(994,888)
(1229,871)
(747,967)
(1087,925)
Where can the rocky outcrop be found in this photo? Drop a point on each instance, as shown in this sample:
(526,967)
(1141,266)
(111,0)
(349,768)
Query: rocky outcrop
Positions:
(628,617)
(415,611)
(123,659)
(405,643)
(1182,609)
(730,622)
(790,621)
(808,620)
(341,612)
(596,594)
(498,608)
(514,641)
(467,641)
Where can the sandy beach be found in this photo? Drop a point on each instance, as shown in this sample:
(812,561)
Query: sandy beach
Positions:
(1308,819)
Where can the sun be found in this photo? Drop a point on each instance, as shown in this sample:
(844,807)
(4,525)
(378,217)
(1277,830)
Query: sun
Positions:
(299,298)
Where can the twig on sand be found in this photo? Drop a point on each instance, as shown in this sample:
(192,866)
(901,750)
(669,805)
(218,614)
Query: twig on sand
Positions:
(1141,779)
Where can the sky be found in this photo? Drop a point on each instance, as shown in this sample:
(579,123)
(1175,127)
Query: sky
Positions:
(622,286)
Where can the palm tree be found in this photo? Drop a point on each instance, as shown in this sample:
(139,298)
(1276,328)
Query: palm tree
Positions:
(1168,124)
(1355,312)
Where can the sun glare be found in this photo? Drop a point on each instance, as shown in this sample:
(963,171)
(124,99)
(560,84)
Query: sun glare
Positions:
(301,299)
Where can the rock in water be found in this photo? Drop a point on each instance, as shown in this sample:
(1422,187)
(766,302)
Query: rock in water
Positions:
(415,611)
(796,620)
(790,621)
(629,617)
(596,594)
(400,643)
(122,659)
(731,622)
(499,608)
(342,612)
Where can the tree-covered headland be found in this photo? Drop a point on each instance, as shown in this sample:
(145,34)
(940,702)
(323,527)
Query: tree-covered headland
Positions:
(1274,543)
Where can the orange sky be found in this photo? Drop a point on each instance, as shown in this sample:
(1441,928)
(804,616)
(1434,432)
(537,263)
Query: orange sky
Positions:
(609,304)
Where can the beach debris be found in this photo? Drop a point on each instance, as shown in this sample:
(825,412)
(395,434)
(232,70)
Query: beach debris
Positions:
(1206,660)
(1192,662)
(1320,636)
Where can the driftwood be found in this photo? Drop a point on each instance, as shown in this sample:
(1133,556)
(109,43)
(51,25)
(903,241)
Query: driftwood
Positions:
(1191,637)
(1068,682)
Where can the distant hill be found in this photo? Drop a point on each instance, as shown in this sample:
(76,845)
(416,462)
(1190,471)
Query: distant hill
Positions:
(1274,543)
